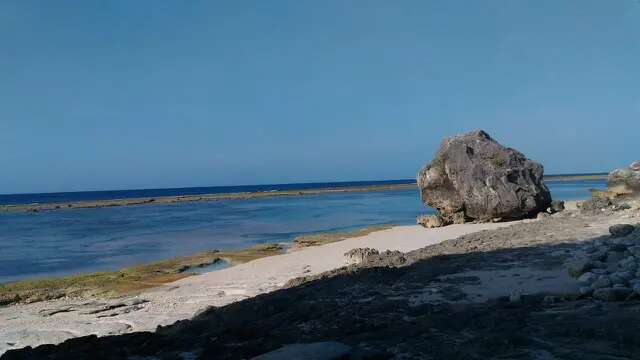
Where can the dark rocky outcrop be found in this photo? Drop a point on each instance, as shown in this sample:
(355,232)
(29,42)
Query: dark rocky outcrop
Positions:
(474,178)
(620,230)
(625,181)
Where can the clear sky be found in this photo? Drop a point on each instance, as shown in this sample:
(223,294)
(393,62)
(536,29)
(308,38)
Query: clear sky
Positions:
(138,94)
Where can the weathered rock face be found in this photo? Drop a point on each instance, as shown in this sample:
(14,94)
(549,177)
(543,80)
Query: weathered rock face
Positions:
(625,181)
(473,177)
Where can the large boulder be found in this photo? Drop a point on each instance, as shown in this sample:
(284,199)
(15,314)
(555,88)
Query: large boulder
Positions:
(625,181)
(474,178)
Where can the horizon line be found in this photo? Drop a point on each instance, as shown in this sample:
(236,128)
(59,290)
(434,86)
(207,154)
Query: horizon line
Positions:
(409,180)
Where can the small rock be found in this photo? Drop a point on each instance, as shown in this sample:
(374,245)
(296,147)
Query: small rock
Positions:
(430,221)
(596,203)
(598,256)
(357,255)
(585,290)
(542,215)
(557,206)
(620,207)
(634,250)
(628,264)
(612,294)
(618,247)
(621,230)
(614,258)
(624,275)
(578,266)
(601,242)
(617,280)
(603,281)
(587,278)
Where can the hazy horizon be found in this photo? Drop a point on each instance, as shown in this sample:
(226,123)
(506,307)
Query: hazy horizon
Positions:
(140,95)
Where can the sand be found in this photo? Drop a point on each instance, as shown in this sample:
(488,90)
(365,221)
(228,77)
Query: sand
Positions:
(58,320)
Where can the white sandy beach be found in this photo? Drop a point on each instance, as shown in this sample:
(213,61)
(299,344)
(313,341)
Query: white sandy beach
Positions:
(58,320)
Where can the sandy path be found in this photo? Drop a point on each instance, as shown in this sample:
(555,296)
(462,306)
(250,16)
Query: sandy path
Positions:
(29,325)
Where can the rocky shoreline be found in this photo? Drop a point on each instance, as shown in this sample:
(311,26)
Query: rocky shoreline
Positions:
(509,292)
(499,271)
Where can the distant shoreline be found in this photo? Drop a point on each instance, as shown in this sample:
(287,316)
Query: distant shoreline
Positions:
(575,177)
(204,197)
(89,204)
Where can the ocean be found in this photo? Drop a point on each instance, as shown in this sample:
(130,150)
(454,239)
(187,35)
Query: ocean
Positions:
(71,241)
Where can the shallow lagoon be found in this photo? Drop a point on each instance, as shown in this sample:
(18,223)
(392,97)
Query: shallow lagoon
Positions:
(86,240)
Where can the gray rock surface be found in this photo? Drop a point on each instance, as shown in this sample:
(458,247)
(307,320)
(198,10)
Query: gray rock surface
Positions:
(625,181)
(473,177)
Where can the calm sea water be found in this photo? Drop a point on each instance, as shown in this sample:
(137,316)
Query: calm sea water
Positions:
(84,240)
(42,198)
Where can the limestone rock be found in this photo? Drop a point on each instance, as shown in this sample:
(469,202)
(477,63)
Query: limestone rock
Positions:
(595,203)
(430,221)
(625,181)
(473,177)
(557,206)
(357,255)
(542,215)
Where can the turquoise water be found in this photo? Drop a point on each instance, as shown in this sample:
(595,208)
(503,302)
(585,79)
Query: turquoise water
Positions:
(84,240)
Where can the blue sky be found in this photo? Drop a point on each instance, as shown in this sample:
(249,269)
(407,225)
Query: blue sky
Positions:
(138,94)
